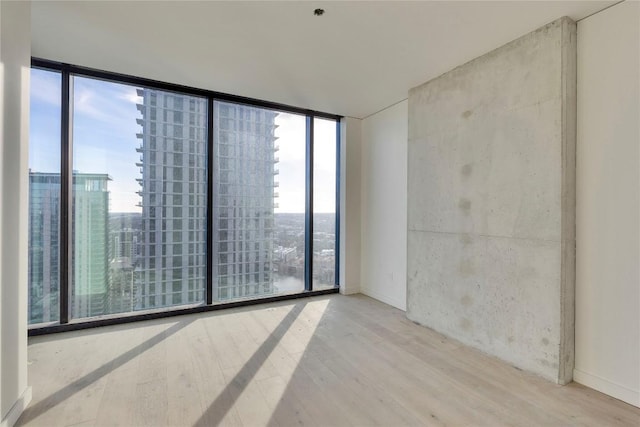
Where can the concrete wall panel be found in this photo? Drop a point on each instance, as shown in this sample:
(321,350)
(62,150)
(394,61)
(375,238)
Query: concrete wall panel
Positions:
(491,216)
(472,297)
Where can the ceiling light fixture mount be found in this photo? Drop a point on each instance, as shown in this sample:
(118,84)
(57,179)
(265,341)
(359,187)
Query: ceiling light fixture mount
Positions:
(318,12)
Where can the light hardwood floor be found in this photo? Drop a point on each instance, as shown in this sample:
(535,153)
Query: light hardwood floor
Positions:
(323,361)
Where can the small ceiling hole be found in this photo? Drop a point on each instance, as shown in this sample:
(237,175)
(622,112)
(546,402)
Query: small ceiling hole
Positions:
(318,12)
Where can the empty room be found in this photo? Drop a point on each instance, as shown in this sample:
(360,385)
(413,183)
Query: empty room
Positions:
(332,213)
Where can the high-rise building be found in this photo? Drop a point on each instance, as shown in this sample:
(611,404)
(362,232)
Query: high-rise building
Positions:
(124,238)
(244,200)
(90,258)
(44,232)
(172,263)
(90,252)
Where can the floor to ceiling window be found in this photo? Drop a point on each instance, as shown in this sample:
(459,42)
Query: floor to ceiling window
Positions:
(259,201)
(324,203)
(166,196)
(139,198)
(44,197)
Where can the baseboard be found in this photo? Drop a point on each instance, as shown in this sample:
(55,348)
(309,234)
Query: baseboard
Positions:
(17,409)
(605,386)
(394,302)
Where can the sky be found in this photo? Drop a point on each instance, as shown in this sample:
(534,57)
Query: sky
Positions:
(104,138)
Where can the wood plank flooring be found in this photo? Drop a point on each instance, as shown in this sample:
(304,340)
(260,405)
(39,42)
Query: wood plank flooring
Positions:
(323,361)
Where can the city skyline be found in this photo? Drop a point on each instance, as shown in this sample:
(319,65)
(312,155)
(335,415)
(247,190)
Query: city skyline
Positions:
(139,221)
(103,113)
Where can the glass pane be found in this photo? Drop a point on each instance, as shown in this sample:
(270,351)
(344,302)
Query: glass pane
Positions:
(139,198)
(259,188)
(324,203)
(44,196)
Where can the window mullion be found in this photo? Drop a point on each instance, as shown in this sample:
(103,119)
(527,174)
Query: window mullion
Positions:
(66,197)
(337,227)
(210,222)
(308,238)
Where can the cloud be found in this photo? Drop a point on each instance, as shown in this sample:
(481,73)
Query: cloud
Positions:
(130,94)
(46,87)
(106,102)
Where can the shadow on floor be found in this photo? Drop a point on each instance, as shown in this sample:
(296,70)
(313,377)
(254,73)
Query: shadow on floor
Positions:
(78,385)
(216,412)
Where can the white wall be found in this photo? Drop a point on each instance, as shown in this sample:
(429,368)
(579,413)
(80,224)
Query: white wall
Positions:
(350,144)
(608,200)
(384,206)
(15,57)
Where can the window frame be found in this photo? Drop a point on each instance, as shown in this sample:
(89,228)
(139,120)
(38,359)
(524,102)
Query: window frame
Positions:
(65,322)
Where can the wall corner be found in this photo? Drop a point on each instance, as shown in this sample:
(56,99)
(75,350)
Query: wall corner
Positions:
(350,183)
(568,209)
(15,63)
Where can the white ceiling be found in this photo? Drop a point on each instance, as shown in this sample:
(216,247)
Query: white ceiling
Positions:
(359,58)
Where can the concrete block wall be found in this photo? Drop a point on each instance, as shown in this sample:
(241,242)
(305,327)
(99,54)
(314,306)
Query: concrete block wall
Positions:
(491,202)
